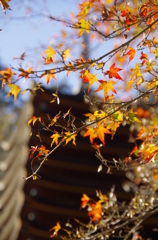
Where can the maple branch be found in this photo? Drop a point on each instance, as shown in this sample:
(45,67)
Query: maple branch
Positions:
(89,124)
(126,43)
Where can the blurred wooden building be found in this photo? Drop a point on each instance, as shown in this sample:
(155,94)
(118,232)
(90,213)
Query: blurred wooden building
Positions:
(69,172)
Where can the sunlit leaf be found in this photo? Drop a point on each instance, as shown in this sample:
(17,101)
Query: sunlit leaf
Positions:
(34,119)
(96,212)
(66,54)
(50,54)
(97,132)
(85,199)
(5,5)
(113,72)
(7,76)
(132,116)
(83,26)
(56,229)
(106,86)
(55,137)
(70,137)
(14,90)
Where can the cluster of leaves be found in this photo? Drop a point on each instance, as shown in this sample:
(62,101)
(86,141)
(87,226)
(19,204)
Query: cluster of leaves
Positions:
(128,76)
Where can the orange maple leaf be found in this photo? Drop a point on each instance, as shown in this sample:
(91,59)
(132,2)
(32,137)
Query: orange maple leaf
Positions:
(56,229)
(85,199)
(49,75)
(106,86)
(113,72)
(14,90)
(97,132)
(25,73)
(88,77)
(96,211)
(42,151)
(131,54)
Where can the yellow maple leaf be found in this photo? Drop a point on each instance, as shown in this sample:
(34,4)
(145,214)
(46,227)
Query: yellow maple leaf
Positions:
(155,51)
(92,79)
(34,119)
(106,86)
(113,127)
(7,76)
(50,54)
(66,54)
(136,71)
(5,5)
(85,8)
(14,90)
(70,137)
(90,116)
(83,26)
(55,137)
(99,114)
(136,75)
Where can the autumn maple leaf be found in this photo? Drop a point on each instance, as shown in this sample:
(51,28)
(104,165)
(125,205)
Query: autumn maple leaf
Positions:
(56,229)
(96,211)
(42,151)
(113,72)
(55,137)
(66,54)
(34,119)
(25,73)
(83,26)
(85,199)
(97,132)
(7,75)
(106,86)
(113,127)
(131,54)
(88,77)
(49,75)
(144,57)
(5,5)
(50,54)
(70,137)
(85,8)
(14,90)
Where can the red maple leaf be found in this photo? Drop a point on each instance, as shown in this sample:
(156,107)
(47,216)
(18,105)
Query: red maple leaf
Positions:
(113,72)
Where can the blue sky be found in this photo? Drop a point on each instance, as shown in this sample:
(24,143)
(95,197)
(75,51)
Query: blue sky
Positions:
(27,29)
(23,33)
